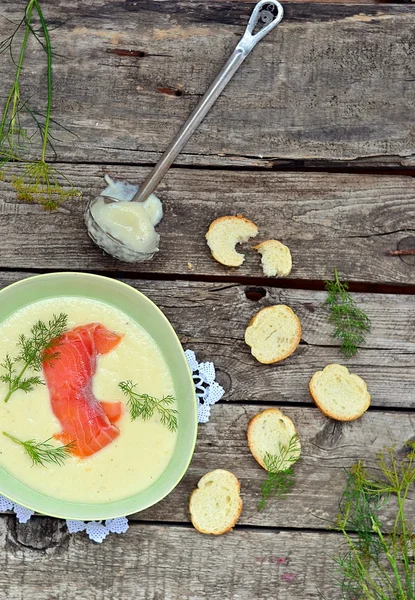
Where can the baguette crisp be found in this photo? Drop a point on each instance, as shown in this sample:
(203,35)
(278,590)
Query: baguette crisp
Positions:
(339,394)
(276,258)
(273,334)
(215,505)
(267,431)
(223,235)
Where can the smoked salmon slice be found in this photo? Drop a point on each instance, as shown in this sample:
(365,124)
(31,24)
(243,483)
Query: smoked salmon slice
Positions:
(85,421)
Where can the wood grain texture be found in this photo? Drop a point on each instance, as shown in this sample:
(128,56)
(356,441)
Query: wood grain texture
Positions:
(333,82)
(43,562)
(211,319)
(328,448)
(327,220)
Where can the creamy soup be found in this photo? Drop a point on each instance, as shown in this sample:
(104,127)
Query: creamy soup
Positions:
(132,461)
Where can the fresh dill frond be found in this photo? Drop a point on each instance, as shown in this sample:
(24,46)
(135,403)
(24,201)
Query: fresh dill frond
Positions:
(144,406)
(379,561)
(42,453)
(34,349)
(350,322)
(6,44)
(10,375)
(39,181)
(281,476)
(10,128)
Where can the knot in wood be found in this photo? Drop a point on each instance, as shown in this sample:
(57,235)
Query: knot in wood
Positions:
(329,437)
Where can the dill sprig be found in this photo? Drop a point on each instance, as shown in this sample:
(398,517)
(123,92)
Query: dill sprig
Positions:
(144,406)
(41,453)
(39,181)
(11,132)
(281,476)
(350,322)
(33,350)
(378,564)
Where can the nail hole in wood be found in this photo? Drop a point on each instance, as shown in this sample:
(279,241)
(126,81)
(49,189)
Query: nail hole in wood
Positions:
(407,243)
(170,91)
(255,293)
(125,52)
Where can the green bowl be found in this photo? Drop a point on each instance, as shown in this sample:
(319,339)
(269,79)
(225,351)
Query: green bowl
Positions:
(145,313)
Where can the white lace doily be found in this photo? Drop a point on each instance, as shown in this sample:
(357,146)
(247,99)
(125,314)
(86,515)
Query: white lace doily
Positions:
(96,530)
(22,514)
(208,392)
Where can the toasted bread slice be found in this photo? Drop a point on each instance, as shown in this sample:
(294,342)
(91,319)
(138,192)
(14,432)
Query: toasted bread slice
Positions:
(273,333)
(223,235)
(339,394)
(270,430)
(215,505)
(276,258)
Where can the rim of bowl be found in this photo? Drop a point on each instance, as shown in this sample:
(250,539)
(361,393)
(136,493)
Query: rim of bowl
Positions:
(163,317)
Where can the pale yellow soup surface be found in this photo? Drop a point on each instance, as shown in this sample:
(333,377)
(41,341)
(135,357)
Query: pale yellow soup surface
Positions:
(129,464)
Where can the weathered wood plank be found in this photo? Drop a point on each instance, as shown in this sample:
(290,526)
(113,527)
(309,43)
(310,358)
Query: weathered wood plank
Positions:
(211,319)
(43,562)
(327,220)
(333,82)
(328,448)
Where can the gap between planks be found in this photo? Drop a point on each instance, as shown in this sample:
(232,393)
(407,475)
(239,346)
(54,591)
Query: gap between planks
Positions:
(135,521)
(358,166)
(250,282)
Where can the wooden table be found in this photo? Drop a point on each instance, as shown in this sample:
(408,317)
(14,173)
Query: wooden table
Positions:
(314,140)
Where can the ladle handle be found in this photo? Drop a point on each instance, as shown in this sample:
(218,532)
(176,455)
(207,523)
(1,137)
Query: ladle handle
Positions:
(266,15)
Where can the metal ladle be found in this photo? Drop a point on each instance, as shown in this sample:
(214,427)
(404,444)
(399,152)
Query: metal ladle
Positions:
(265,16)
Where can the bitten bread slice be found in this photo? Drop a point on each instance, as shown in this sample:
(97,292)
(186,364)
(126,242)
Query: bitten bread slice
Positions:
(268,431)
(273,333)
(223,235)
(339,394)
(276,258)
(215,505)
